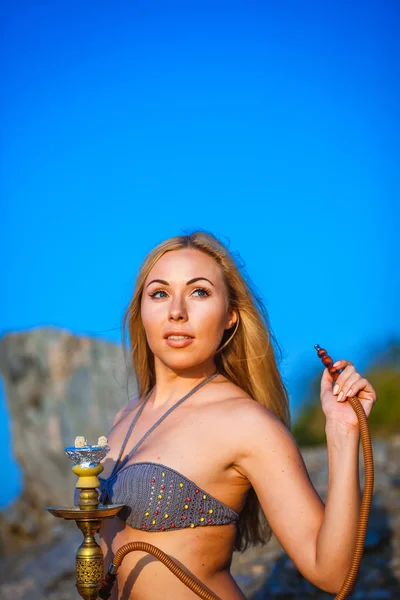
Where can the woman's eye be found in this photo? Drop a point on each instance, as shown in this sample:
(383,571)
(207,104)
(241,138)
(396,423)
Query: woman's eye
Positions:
(201,293)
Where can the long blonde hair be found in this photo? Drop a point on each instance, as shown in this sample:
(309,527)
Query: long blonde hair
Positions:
(246,355)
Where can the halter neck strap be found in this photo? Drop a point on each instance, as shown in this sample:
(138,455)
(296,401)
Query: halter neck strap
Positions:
(120,464)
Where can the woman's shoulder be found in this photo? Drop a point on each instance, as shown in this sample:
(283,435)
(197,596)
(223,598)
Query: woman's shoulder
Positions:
(241,424)
(239,399)
(244,411)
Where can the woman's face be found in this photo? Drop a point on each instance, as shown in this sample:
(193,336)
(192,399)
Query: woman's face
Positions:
(185,309)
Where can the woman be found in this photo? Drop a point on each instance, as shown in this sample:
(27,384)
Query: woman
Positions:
(205,454)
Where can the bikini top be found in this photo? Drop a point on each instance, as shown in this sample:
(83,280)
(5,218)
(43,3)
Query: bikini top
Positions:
(156,497)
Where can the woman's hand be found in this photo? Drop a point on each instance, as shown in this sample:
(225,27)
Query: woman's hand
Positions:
(334,401)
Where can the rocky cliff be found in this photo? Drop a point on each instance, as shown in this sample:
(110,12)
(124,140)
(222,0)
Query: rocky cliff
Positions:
(59,385)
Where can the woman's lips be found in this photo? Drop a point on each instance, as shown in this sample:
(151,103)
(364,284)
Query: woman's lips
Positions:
(179,343)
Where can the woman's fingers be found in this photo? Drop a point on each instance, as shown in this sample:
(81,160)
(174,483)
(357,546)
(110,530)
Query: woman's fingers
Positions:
(341,364)
(347,388)
(364,390)
(349,383)
(348,370)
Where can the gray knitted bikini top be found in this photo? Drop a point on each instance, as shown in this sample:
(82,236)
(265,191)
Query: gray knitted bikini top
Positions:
(156,497)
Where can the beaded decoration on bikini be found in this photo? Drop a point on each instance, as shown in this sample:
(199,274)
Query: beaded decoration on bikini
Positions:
(162,520)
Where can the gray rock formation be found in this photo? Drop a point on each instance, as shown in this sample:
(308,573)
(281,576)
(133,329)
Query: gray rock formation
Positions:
(57,385)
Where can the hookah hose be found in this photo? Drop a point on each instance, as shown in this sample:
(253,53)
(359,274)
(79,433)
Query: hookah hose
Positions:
(368,480)
(105,590)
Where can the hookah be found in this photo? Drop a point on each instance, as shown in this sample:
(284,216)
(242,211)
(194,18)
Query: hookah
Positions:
(90,581)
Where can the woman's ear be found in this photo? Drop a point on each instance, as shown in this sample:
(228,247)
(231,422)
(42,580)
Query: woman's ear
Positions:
(232,319)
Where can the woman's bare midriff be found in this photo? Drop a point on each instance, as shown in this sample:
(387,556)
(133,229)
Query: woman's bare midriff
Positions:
(203,553)
(191,441)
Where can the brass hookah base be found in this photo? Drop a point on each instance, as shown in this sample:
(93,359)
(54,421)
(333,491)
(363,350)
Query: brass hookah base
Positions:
(88,517)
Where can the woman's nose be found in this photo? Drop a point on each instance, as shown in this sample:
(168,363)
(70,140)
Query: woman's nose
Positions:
(177,311)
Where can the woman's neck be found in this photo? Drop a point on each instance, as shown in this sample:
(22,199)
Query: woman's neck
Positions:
(171,385)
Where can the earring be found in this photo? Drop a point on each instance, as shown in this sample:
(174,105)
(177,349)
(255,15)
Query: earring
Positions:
(231,337)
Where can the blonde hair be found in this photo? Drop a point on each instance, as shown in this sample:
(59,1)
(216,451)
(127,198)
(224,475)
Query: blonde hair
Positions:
(246,355)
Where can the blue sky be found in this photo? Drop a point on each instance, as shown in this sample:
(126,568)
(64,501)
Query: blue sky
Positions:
(273,125)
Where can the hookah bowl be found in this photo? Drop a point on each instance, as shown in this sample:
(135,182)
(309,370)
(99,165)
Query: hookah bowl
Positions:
(88,517)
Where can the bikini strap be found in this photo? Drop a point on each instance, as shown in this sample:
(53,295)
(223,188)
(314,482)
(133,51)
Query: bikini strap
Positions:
(119,464)
(139,412)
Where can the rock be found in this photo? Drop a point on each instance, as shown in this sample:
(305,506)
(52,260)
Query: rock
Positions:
(396,482)
(57,385)
(43,573)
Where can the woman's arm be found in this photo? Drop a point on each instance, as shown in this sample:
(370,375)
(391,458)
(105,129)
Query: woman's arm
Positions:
(339,526)
(320,540)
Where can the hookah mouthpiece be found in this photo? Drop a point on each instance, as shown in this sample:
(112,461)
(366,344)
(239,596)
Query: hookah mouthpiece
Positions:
(327,361)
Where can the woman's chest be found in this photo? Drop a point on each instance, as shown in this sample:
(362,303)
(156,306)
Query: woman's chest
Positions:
(193,444)
(190,440)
